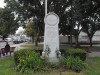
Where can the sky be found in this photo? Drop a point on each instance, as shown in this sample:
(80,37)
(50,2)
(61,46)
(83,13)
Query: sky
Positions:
(20,29)
(2,4)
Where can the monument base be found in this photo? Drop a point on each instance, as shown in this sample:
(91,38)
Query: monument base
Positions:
(52,57)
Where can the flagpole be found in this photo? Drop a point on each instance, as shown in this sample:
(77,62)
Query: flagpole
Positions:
(45,7)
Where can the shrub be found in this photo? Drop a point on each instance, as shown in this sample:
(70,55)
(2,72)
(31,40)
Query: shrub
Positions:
(39,52)
(53,65)
(78,65)
(27,60)
(66,62)
(76,53)
(73,63)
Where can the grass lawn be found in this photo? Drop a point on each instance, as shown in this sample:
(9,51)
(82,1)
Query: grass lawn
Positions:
(7,67)
(40,46)
(93,66)
(31,46)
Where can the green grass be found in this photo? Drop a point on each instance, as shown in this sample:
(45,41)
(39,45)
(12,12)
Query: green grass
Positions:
(7,67)
(40,46)
(31,46)
(93,66)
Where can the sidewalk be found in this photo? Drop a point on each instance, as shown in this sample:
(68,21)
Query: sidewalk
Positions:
(94,54)
(18,46)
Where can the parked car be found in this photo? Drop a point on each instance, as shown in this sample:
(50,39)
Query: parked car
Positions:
(8,39)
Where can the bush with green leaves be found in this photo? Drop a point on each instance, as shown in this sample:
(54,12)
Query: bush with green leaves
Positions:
(54,65)
(78,65)
(27,60)
(75,52)
(66,62)
(72,63)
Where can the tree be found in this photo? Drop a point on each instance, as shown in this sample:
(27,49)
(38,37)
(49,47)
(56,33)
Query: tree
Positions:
(29,30)
(82,10)
(70,12)
(27,9)
(76,9)
(74,17)
(90,27)
(91,18)
(8,24)
(33,31)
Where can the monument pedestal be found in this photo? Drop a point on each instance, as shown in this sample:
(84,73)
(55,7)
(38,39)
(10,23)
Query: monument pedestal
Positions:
(51,37)
(52,57)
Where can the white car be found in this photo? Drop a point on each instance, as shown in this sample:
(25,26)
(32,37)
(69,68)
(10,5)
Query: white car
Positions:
(8,39)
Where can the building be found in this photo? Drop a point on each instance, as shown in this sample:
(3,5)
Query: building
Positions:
(83,38)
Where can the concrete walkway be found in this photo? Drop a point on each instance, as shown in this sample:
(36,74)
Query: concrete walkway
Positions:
(93,54)
(18,46)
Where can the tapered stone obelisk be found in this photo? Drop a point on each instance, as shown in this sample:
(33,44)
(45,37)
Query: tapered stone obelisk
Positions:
(51,36)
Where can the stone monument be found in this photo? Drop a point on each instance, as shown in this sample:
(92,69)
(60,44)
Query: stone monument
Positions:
(51,36)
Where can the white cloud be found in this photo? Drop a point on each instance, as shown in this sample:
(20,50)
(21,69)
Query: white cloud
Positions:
(2,4)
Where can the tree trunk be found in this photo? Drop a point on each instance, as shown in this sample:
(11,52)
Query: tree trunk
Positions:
(3,37)
(36,41)
(71,29)
(76,39)
(90,38)
(33,39)
(68,39)
(71,40)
